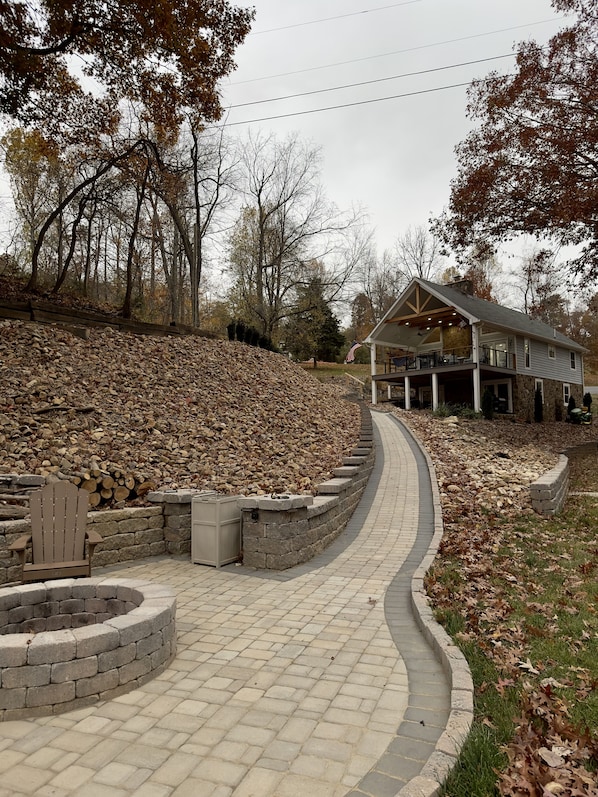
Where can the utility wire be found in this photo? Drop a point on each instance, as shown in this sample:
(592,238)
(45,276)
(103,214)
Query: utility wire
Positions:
(371,82)
(394,52)
(345,105)
(330,19)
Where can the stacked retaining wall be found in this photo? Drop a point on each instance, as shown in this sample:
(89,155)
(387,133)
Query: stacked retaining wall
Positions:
(550,491)
(279,532)
(164,527)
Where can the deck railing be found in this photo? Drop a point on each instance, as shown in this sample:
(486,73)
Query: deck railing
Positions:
(448,357)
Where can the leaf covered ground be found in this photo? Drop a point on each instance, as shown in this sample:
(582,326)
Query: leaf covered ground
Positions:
(178,411)
(519,593)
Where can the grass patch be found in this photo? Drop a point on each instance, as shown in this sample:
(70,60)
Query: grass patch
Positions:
(526,618)
(324,371)
(483,754)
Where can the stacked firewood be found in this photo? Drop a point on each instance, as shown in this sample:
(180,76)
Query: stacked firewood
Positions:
(107,483)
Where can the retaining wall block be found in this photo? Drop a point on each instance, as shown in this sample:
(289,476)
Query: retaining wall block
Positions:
(118,657)
(149,645)
(136,669)
(130,628)
(97,684)
(51,694)
(14,677)
(13,651)
(73,670)
(95,639)
(47,648)
(12,698)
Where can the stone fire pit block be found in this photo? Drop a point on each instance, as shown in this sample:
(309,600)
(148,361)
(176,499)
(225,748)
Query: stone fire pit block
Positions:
(68,643)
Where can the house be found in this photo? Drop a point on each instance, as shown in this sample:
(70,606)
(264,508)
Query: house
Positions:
(440,344)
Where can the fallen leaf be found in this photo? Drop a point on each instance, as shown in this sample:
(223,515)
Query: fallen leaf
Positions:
(528,667)
(551,758)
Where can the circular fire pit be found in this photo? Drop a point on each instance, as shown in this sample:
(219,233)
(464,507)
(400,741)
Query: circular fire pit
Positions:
(68,643)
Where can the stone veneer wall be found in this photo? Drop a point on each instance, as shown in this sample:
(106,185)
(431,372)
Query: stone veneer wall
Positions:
(524,388)
(165,527)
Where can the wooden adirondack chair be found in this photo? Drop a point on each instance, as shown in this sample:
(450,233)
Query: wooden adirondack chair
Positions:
(58,534)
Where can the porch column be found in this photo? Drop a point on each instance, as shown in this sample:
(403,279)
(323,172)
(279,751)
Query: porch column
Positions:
(373,372)
(434,391)
(407,393)
(476,376)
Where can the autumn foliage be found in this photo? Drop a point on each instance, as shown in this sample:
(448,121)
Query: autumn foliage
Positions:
(531,166)
(72,62)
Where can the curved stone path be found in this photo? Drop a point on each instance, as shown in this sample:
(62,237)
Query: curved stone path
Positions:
(314,682)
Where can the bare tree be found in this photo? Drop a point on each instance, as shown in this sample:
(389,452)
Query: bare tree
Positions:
(285,226)
(418,254)
(381,282)
(196,183)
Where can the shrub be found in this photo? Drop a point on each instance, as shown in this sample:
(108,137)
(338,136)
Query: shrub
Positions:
(538,406)
(571,405)
(444,411)
(488,405)
(460,410)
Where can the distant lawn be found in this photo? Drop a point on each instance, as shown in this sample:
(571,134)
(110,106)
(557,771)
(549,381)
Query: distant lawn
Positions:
(325,370)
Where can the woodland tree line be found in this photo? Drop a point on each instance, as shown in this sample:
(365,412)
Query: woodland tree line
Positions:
(133,196)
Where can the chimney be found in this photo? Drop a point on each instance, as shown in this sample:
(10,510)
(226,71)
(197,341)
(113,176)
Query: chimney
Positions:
(463,285)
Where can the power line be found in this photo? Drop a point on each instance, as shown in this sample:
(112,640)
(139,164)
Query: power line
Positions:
(371,82)
(345,105)
(330,19)
(395,52)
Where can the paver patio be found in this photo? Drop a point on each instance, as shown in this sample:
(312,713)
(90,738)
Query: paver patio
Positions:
(312,682)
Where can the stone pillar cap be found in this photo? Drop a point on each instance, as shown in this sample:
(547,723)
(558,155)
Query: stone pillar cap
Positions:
(276,502)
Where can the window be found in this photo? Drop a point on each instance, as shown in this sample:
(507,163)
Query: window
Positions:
(573,360)
(551,351)
(566,394)
(526,352)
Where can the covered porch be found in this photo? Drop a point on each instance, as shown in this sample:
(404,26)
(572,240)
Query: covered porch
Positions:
(427,352)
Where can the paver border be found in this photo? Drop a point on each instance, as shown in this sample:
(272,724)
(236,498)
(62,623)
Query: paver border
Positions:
(450,743)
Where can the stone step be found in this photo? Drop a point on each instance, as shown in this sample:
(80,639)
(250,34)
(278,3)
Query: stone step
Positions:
(346,471)
(354,460)
(333,486)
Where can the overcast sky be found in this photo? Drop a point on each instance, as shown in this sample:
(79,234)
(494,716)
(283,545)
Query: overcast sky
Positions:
(394,156)
(391,154)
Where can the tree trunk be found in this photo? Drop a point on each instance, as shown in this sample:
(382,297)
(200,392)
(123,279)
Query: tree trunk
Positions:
(127,303)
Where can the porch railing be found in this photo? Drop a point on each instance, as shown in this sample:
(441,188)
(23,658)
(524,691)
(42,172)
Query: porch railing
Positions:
(497,358)
(448,357)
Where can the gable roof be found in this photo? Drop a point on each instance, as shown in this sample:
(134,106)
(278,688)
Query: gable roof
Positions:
(476,310)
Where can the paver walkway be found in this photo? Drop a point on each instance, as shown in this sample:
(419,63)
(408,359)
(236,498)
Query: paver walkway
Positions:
(313,682)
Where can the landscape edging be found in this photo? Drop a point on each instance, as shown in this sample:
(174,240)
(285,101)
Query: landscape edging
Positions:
(448,748)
